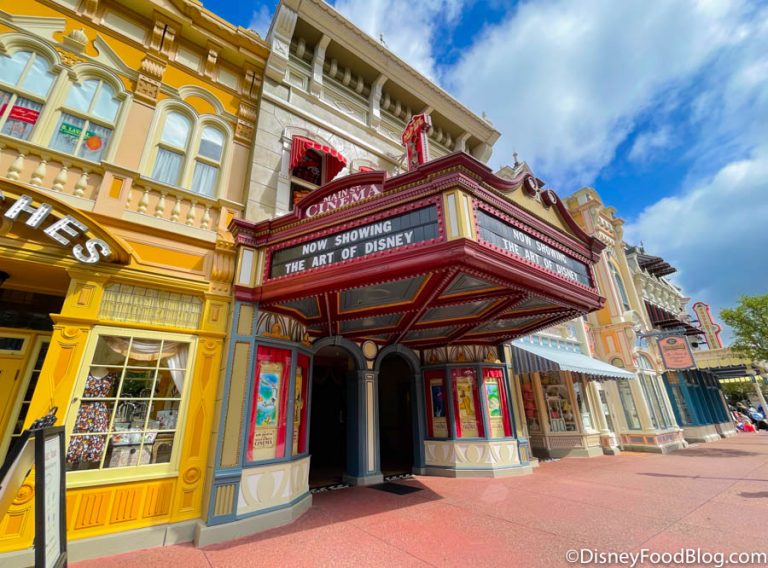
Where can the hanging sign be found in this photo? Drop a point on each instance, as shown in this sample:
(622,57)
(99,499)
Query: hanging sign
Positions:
(708,326)
(396,232)
(64,231)
(519,243)
(676,353)
(416,141)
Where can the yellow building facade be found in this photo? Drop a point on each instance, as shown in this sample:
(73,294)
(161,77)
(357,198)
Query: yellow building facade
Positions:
(126,131)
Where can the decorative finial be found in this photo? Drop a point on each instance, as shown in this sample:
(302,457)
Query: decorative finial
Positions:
(381,38)
(514,155)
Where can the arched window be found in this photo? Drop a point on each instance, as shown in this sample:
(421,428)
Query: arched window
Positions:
(620,287)
(189,153)
(25,80)
(172,149)
(208,161)
(87,120)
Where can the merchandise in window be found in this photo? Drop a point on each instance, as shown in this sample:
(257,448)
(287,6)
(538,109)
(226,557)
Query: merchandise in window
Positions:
(86,123)
(129,404)
(559,409)
(25,80)
(581,402)
(529,403)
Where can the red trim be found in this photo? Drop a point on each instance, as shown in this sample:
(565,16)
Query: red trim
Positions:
(336,161)
(303,363)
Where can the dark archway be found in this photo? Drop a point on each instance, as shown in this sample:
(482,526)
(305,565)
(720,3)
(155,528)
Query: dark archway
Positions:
(396,412)
(333,374)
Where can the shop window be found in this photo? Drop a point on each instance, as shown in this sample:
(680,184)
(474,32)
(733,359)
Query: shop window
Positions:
(659,416)
(189,153)
(529,403)
(86,120)
(130,403)
(628,404)
(437,400)
(25,80)
(620,287)
(560,413)
(466,400)
(682,406)
(579,390)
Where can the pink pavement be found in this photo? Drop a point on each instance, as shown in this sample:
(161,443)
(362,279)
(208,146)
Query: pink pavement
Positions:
(713,496)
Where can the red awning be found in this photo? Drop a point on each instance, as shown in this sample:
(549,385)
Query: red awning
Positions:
(336,161)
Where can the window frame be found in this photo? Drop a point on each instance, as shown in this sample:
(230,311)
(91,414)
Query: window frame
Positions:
(103,475)
(88,116)
(191,154)
(16,91)
(621,288)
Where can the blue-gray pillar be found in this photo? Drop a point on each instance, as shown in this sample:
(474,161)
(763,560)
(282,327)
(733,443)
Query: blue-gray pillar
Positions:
(363,458)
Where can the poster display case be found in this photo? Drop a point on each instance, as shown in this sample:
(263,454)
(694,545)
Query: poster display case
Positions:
(300,397)
(267,424)
(437,415)
(466,401)
(496,400)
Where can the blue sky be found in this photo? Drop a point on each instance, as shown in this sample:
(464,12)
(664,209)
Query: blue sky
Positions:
(661,106)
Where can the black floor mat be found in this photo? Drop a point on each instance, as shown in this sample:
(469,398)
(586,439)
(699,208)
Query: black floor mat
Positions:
(396,488)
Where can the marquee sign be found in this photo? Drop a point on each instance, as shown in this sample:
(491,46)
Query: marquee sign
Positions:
(708,326)
(415,140)
(402,230)
(64,231)
(520,244)
(342,198)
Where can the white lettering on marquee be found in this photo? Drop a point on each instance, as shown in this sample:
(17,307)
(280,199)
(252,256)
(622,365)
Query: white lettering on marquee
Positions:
(62,231)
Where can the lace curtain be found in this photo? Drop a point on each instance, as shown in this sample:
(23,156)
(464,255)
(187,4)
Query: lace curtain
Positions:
(174,352)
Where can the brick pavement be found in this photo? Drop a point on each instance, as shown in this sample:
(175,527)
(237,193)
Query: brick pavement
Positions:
(713,496)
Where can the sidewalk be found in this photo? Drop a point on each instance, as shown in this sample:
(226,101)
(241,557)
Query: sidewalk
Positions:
(713,496)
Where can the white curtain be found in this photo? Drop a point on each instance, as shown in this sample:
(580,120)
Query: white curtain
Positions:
(19,128)
(175,353)
(167,166)
(204,179)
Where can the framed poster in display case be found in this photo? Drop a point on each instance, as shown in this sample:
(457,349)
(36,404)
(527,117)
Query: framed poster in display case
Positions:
(437,404)
(266,437)
(496,398)
(466,402)
(300,395)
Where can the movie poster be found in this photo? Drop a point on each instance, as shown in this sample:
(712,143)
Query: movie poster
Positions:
(497,403)
(298,407)
(465,386)
(437,397)
(268,406)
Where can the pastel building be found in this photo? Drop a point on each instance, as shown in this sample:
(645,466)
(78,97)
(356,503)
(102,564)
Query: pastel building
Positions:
(126,133)
(642,413)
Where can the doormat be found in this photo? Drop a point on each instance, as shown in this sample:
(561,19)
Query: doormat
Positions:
(325,488)
(396,488)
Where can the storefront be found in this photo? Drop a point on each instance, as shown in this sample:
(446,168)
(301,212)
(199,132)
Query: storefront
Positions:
(699,405)
(564,402)
(368,329)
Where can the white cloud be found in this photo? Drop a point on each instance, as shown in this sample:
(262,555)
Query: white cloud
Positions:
(410,29)
(565,81)
(260,20)
(715,233)
(649,144)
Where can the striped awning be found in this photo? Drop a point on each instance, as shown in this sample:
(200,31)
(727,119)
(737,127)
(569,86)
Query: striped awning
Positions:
(527,358)
(300,145)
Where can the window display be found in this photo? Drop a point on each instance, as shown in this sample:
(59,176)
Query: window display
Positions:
(469,419)
(129,404)
(579,390)
(266,439)
(437,415)
(529,403)
(559,409)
